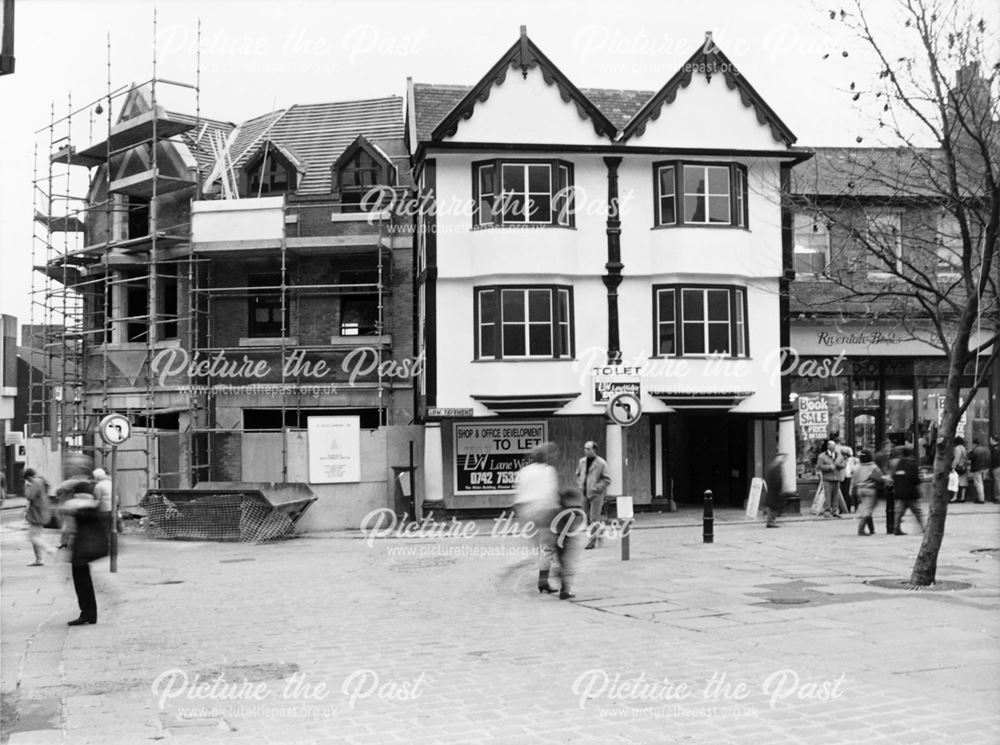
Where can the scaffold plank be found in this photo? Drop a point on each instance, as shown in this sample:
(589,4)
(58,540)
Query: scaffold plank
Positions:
(69,155)
(60,223)
(147,183)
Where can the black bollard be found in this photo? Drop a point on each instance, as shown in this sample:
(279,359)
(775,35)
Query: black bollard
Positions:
(708,534)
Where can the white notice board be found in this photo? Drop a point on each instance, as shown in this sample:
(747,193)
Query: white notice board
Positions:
(334,449)
(753,499)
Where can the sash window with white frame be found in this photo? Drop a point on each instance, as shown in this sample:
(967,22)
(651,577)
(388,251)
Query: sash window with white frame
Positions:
(522,193)
(884,245)
(700,321)
(812,245)
(700,194)
(949,245)
(523,322)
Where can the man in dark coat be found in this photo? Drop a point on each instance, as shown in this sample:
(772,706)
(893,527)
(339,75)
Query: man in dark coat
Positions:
(906,484)
(979,466)
(774,484)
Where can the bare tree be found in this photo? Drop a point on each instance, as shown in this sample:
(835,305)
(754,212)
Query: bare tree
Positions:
(917,223)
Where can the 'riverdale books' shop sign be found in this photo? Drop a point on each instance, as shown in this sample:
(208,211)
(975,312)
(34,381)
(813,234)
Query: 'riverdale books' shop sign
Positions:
(488,456)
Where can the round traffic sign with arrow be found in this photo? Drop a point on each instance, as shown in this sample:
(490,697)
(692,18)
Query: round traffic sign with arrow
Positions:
(625,409)
(114,429)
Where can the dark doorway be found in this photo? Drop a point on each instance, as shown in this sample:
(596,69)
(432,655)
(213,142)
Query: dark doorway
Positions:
(706,451)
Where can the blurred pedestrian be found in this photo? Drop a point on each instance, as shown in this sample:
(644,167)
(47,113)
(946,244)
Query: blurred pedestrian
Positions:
(866,482)
(906,482)
(568,527)
(537,502)
(91,540)
(774,486)
(979,466)
(960,462)
(77,480)
(850,463)
(102,489)
(593,478)
(37,515)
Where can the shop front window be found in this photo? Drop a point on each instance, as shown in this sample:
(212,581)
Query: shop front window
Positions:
(821,409)
(974,423)
(899,416)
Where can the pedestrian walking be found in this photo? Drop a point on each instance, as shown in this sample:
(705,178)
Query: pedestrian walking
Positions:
(979,466)
(568,527)
(850,463)
(831,470)
(995,466)
(90,541)
(866,482)
(906,481)
(37,515)
(537,502)
(774,486)
(78,480)
(102,489)
(593,479)
(960,462)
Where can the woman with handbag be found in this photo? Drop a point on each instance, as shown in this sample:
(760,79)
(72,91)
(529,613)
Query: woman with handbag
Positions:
(91,541)
(960,462)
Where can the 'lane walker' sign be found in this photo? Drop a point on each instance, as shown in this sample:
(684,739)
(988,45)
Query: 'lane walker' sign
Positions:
(488,456)
(610,380)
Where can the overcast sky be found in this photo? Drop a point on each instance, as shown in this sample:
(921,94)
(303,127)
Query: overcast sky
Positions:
(258,56)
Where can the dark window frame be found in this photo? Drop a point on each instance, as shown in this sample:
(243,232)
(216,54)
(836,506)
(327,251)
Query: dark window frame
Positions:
(359,297)
(276,162)
(556,322)
(270,299)
(739,316)
(352,195)
(561,176)
(739,205)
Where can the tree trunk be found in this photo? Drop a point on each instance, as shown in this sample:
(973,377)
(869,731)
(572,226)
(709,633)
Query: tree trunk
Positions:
(925,567)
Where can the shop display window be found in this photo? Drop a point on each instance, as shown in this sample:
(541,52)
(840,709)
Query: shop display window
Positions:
(820,409)
(975,422)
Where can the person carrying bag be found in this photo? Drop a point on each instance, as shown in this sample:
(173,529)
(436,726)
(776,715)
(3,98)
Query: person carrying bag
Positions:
(91,541)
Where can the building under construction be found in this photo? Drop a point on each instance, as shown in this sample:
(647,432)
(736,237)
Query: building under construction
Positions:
(220,285)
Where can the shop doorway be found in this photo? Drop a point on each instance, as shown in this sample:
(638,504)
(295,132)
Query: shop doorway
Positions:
(695,452)
(866,430)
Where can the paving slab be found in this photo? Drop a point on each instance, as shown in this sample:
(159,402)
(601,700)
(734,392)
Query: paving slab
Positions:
(775,635)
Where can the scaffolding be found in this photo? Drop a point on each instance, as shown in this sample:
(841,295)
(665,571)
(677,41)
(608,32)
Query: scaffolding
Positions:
(294,287)
(98,248)
(119,278)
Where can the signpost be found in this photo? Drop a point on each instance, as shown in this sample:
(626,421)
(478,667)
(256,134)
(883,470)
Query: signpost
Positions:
(623,511)
(114,429)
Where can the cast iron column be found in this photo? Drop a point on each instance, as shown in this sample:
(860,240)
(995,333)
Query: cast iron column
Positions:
(614,266)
